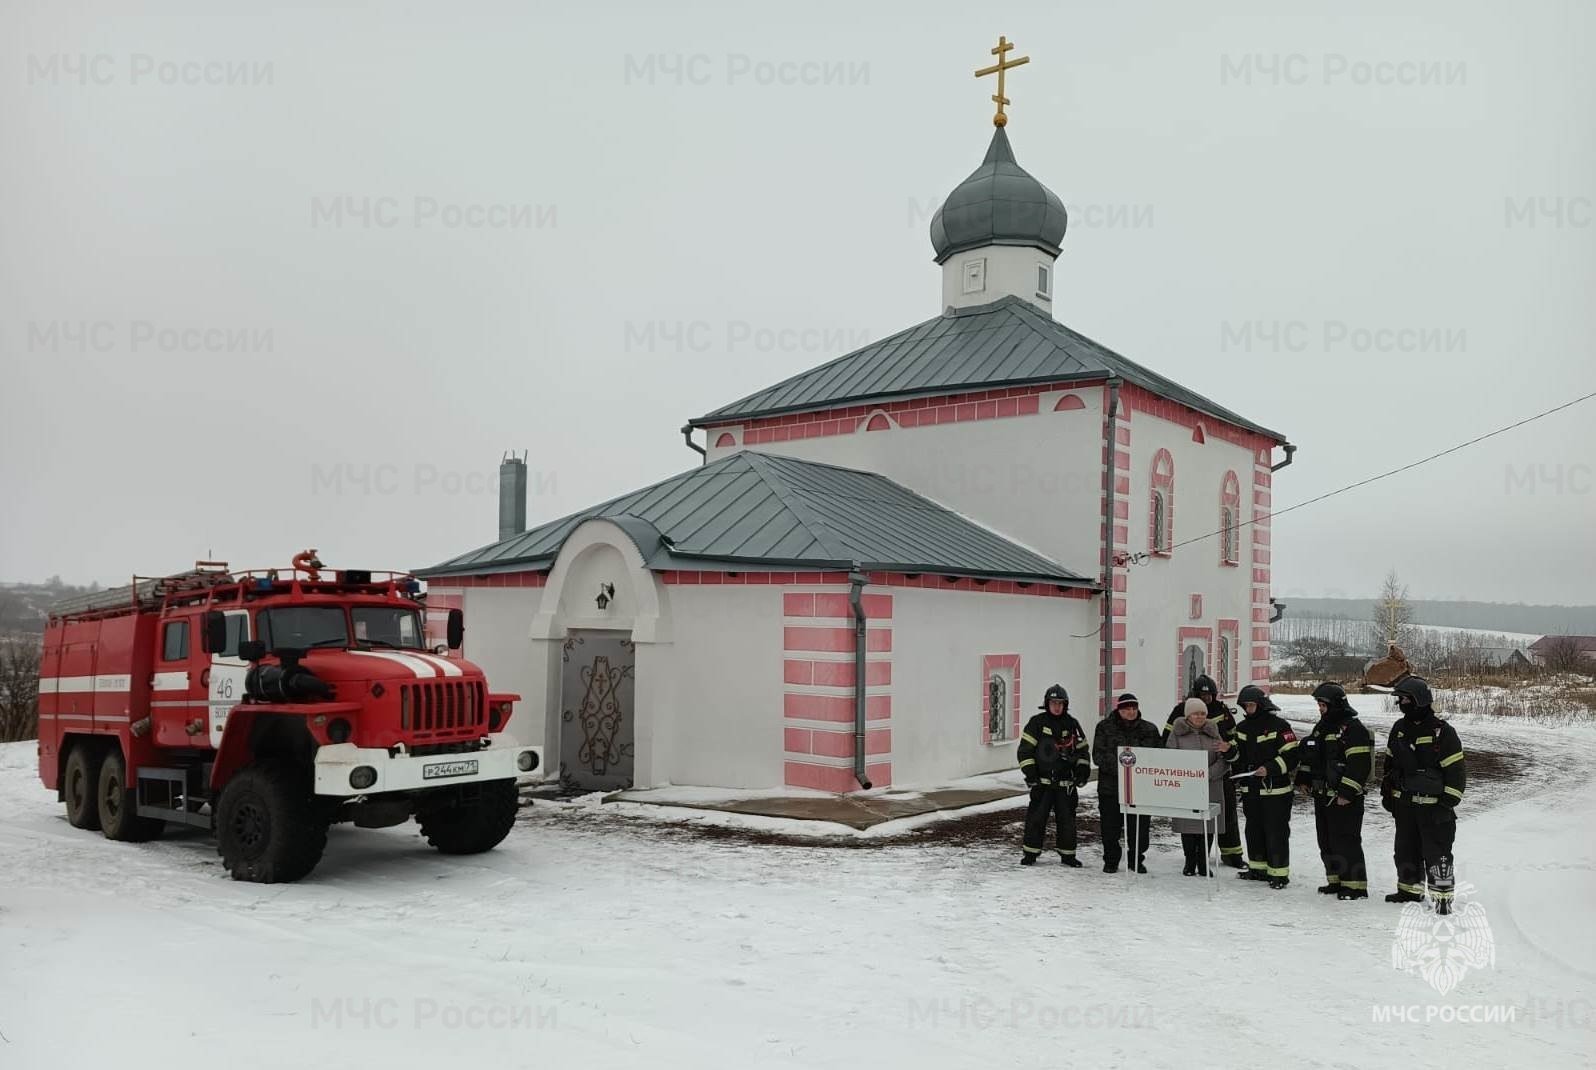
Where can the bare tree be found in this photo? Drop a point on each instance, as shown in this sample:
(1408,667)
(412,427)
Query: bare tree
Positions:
(1393,615)
(1314,653)
(1564,654)
(19,688)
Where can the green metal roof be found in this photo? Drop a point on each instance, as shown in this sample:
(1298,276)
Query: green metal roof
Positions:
(1006,343)
(757,509)
(999,204)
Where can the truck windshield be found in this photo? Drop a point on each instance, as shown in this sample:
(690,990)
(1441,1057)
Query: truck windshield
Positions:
(302,627)
(384,626)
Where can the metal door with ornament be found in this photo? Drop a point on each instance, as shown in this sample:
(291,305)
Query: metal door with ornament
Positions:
(597,747)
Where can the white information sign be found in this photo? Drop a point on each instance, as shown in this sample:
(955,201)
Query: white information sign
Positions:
(1163,783)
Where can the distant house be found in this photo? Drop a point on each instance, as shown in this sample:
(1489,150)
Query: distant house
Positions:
(1550,649)
(1508,658)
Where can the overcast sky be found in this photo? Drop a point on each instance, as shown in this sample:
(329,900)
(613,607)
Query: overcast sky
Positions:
(244,308)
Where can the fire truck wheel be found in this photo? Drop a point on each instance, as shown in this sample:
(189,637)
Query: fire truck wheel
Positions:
(268,827)
(80,785)
(119,820)
(460,825)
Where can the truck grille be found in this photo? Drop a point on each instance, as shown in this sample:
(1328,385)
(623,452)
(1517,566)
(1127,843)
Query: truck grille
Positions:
(442,707)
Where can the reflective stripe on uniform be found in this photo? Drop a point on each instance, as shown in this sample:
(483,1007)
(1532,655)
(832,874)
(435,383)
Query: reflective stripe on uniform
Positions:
(1450,758)
(1265,737)
(1027,737)
(1031,850)
(1454,792)
(1357,886)
(1357,750)
(1281,871)
(1353,784)
(1412,889)
(1423,739)
(1230,851)
(1256,865)
(1027,761)
(1275,791)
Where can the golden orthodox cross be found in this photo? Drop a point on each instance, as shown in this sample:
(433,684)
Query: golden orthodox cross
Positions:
(1003,64)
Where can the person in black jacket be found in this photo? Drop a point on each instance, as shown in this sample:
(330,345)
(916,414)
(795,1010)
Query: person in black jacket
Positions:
(1424,780)
(1334,768)
(1224,719)
(1055,762)
(1122,728)
(1268,751)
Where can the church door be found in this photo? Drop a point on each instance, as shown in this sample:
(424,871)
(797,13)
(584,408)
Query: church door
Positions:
(596,711)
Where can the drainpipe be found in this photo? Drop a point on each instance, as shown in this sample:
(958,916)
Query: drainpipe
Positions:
(1110,448)
(856,581)
(1291,451)
(687,436)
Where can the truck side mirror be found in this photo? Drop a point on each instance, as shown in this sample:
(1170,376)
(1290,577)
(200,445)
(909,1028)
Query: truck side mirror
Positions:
(252,650)
(456,631)
(215,636)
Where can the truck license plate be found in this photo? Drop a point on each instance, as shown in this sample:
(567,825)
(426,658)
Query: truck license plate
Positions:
(441,770)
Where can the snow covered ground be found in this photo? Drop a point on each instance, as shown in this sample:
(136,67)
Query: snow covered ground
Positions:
(590,942)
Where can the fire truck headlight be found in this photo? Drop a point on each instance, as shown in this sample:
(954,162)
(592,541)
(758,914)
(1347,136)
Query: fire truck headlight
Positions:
(362,776)
(338,730)
(527,760)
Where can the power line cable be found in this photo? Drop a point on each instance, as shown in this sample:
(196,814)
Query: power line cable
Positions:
(1137,558)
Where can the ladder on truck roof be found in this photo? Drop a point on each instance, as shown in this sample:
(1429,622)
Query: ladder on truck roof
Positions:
(145,592)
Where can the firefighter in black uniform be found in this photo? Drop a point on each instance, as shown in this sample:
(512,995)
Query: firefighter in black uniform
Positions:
(1055,760)
(1336,758)
(1268,750)
(1424,780)
(1224,719)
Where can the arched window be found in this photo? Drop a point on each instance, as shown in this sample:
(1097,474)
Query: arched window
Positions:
(1226,651)
(1161,510)
(1230,520)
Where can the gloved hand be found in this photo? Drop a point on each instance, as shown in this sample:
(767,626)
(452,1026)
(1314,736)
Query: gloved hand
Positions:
(1030,782)
(1082,776)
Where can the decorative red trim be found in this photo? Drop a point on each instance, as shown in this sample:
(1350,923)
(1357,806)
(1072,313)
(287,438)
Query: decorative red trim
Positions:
(726,439)
(1139,399)
(1181,636)
(1069,403)
(1231,629)
(1196,607)
(989,664)
(924,580)
(879,422)
(996,404)
(1162,481)
(1197,435)
(499,579)
(1230,505)
(1116,572)
(819,679)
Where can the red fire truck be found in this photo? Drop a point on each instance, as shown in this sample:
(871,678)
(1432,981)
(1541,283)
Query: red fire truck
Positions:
(266,705)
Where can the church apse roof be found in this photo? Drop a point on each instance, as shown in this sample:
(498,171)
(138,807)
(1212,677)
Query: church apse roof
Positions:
(1006,343)
(754,509)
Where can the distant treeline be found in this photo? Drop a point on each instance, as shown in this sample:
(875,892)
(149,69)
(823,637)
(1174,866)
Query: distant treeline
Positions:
(1489,616)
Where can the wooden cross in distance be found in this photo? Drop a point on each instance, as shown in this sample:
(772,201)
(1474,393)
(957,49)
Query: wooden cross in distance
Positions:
(1003,64)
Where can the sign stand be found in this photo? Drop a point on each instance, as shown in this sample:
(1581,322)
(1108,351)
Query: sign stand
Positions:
(1154,782)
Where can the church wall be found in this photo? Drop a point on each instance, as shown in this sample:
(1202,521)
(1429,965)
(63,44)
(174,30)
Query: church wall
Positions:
(723,686)
(1187,597)
(942,641)
(1034,478)
(497,623)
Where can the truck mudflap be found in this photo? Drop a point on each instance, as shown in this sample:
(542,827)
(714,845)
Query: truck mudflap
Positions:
(344,770)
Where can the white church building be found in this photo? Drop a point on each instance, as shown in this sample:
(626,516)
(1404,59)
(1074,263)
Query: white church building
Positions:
(990,501)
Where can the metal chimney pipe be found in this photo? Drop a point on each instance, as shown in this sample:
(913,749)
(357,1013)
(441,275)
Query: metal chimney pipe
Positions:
(512,496)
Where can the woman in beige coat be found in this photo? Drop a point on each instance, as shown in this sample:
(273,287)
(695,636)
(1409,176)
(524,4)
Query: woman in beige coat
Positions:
(1194,731)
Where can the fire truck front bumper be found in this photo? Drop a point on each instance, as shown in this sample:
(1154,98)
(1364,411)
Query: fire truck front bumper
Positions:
(344,770)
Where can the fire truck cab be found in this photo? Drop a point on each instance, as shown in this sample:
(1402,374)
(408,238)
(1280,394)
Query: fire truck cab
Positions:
(267,705)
